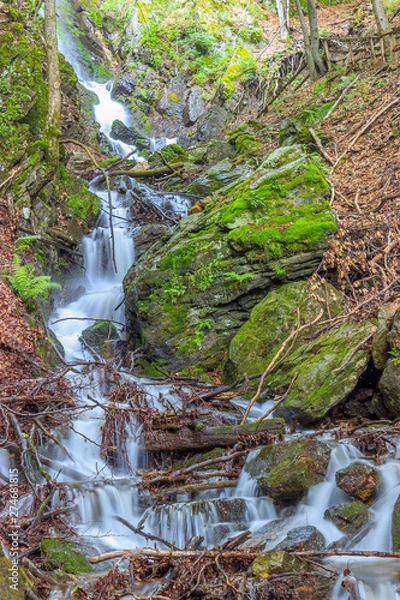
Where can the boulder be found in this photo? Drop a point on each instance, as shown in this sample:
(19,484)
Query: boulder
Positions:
(389,386)
(100,337)
(350,517)
(186,298)
(302,539)
(396,526)
(277,562)
(359,480)
(384,338)
(321,372)
(287,470)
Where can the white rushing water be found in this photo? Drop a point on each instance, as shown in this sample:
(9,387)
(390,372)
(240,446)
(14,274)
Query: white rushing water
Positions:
(105,491)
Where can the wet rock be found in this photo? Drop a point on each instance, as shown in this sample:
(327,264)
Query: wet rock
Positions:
(389,386)
(286,471)
(302,539)
(100,337)
(147,235)
(194,106)
(277,562)
(231,509)
(221,531)
(359,480)
(124,85)
(213,122)
(350,517)
(396,526)
(128,135)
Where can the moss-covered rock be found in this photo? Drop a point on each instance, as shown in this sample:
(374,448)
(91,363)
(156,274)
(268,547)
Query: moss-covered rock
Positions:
(11,580)
(186,298)
(101,337)
(277,562)
(350,517)
(389,385)
(396,526)
(359,480)
(287,470)
(322,372)
(65,555)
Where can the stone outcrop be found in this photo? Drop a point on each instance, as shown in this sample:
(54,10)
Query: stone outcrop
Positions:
(187,297)
(350,517)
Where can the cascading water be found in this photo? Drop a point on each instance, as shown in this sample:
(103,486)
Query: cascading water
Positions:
(104,493)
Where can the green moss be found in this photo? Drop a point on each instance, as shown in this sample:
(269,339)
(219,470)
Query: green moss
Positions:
(61,554)
(80,202)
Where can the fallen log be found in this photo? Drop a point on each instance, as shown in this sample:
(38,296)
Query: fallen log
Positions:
(230,554)
(195,488)
(203,437)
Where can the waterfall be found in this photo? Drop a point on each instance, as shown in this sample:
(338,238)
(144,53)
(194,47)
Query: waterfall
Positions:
(104,493)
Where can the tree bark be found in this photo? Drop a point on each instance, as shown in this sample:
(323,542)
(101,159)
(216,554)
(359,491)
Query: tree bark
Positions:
(382,21)
(315,63)
(208,437)
(54,84)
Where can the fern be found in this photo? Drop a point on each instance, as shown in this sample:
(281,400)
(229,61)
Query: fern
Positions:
(27,284)
(25,241)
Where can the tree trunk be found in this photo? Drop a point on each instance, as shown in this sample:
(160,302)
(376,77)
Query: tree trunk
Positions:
(208,437)
(53,79)
(380,16)
(282,14)
(314,36)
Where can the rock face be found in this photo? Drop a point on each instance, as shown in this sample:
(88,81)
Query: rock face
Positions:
(194,106)
(358,480)
(396,526)
(389,386)
(187,297)
(349,518)
(321,372)
(286,471)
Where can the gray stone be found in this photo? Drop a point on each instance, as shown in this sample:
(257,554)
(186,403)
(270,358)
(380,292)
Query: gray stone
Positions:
(389,386)
(302,539)
(194,106)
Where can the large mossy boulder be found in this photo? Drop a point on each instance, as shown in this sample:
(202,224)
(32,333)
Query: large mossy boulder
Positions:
(349,517)
(186,297)
(286,471)
(358,480)
(321,366)
(65,555)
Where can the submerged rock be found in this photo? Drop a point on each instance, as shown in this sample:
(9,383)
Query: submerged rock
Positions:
(186,298)
(350,517)
(286,471)
(358,480)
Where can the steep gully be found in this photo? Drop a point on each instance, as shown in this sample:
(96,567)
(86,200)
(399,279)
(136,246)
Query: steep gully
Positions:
(103,493)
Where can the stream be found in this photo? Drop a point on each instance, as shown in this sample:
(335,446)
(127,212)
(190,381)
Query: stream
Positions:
(103,492)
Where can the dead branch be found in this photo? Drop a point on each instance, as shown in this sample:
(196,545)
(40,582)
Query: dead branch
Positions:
(363,129)
(320,147)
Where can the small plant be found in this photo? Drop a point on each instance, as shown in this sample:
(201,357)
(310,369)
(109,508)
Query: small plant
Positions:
(236,279)
(395,356)
(29,286)
(279,270)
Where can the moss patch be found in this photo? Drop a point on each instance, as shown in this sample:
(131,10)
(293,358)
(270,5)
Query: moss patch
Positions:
(61,554)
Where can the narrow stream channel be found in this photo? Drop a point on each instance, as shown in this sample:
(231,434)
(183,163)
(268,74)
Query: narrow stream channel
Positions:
(104,493)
